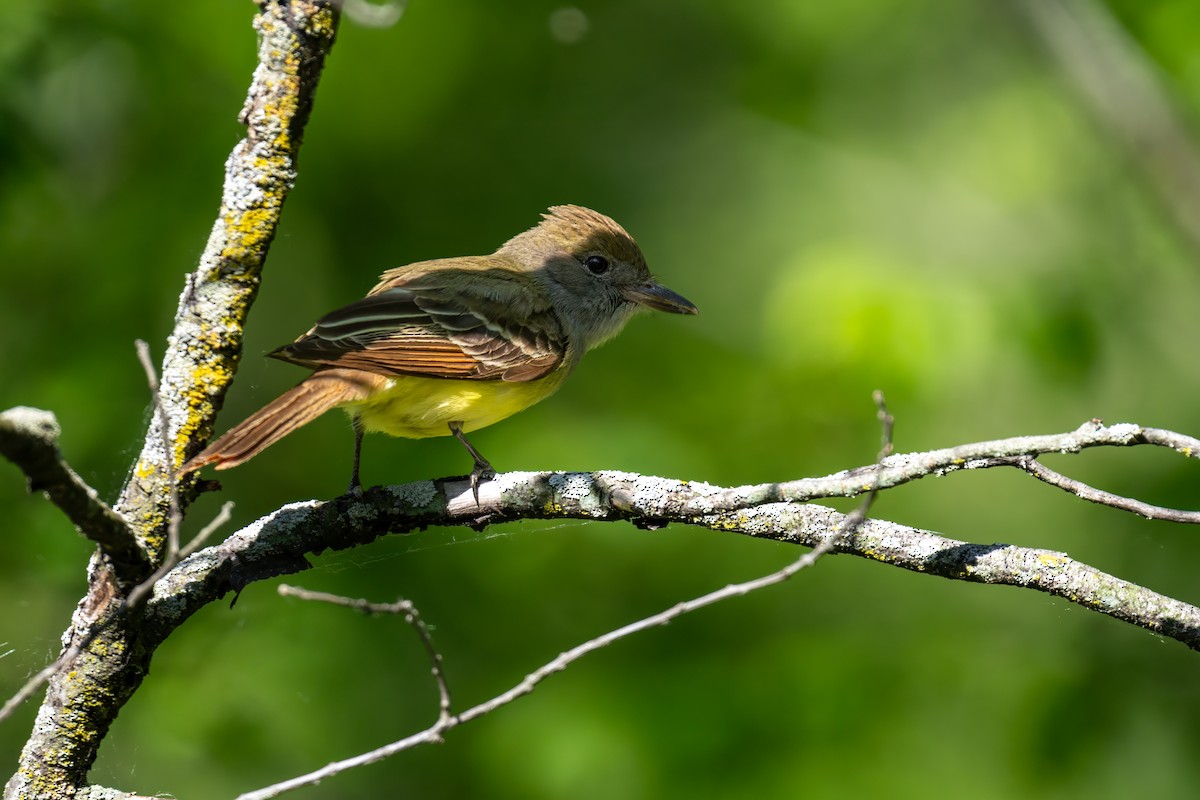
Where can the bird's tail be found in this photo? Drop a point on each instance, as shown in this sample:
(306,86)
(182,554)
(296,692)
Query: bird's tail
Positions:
(304,402)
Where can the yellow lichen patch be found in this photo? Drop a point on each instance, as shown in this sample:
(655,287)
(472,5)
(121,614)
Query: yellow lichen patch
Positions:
(249,233)
(737,523)
(291,68)
(552,507)
(207,380)
(279,111)
(234,320)
(323,24)
(1050,560)
(208,376)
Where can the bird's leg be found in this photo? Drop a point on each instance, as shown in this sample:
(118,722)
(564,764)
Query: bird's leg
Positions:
(355,485)
(482,469)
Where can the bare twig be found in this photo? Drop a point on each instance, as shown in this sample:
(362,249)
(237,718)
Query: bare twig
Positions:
(223,516)
(905,467)
(39,679)
(1043,473)
(140,592)
(857,517)
(1181,443)
(436,732)
(401,607)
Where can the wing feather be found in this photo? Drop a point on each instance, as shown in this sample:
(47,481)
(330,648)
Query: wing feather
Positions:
(428,326)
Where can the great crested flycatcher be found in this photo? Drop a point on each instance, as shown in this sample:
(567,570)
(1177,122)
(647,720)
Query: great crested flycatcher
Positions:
(445,347)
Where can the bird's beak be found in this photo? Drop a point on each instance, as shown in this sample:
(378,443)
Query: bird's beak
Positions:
(658,297)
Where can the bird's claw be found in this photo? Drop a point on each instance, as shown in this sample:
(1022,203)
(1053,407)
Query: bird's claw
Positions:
(482,471)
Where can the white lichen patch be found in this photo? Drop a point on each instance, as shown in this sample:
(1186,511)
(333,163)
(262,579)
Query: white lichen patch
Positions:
(1126,431)
(573,486)
(415,495)
(507,482)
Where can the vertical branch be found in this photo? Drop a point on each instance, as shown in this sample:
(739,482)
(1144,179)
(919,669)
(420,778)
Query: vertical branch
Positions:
(113,653)
(204,350)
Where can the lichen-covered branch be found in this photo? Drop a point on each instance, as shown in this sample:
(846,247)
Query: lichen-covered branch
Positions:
(112,654)
(206,344)
(904,467)
(277,544)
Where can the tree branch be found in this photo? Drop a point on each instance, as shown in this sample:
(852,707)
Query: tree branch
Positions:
(1093,495)
(904,467)
(277,543)
(29,439)
(411,615)
(206,345)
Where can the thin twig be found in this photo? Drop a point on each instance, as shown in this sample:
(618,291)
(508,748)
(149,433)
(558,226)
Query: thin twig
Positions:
(223,516)
(142,588)
(38,680)
(1043,473)
(140,592)
(435,733)
(903,468)
(411,615)
(887,422)
(1179,442)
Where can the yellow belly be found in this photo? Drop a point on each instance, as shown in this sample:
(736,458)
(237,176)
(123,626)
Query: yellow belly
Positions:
(416,408)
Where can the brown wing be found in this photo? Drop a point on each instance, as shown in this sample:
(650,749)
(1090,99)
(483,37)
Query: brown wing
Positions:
(425,327)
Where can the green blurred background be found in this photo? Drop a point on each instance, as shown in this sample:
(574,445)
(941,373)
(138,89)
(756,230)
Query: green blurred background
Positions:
(906,196)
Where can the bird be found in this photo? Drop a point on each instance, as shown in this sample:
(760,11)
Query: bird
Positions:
(449,346)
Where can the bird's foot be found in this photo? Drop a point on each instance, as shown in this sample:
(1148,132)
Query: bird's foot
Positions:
(482,471)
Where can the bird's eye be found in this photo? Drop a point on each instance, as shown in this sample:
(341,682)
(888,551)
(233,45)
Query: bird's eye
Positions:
(597,265)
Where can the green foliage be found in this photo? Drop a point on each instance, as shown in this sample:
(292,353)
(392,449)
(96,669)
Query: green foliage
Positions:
(872,194)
